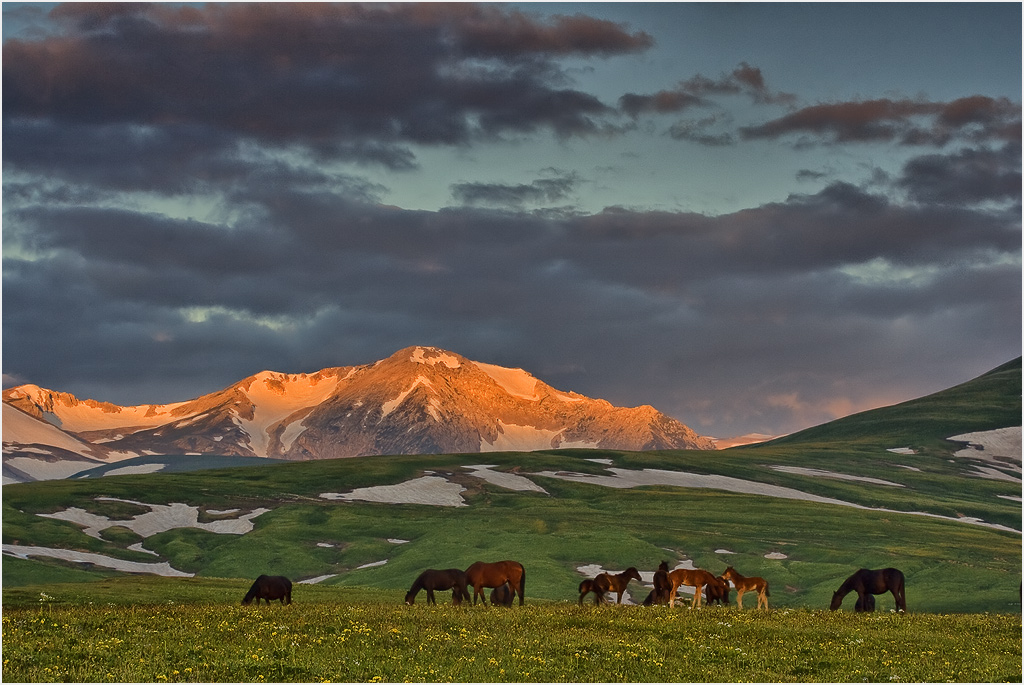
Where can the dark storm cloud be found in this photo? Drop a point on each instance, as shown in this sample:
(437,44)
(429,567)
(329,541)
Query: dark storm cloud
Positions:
(969,176)
(908,122)
(540,191)
(318,75)
(315,279)
(694,92)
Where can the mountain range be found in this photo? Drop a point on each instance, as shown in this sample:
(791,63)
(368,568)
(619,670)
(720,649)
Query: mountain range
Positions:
(420,400)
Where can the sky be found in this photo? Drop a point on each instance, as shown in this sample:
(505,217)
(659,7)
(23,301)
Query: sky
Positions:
(754,217)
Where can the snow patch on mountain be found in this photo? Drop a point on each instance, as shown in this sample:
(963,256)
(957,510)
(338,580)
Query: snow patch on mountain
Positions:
(22,429)
(430,490)
(515,382)
(275,397)
(391,405)
(432,355)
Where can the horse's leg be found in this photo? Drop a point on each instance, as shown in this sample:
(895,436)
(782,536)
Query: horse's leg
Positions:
(739,598)
(430,596)
(763,596)
(698,596)
(900,605)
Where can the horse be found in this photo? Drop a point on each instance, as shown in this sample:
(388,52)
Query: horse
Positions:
(662,586)
(617,583)
(500,596)
(432,579)
(268,588)
(717,592)
(867,582)
(598,586)
(696,578)
(865,603)
(744,584)
(482,574)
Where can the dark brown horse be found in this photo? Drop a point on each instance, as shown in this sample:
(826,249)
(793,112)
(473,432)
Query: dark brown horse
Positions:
(866,582)
(268,588)
(495,574)
(696,578)
(598,586)
(500,596)
(432,579)
(662,586)
(745,584)
(865,603)
(717,592)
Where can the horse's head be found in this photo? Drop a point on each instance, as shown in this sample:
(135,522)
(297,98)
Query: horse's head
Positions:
(663,566)
(837,601)
(730,572)
(633,574)
(410,598)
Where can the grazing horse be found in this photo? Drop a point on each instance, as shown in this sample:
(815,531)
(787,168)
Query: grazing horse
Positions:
(744,584)
(481,574)
(717,591)
(500,596)
(696,578)
(598,586)
(432,579)
(268,588)
(866,582)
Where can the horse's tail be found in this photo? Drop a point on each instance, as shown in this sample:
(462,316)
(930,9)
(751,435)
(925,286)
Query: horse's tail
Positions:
(522,584)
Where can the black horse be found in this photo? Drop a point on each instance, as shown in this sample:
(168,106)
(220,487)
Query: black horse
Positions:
(268,588)
(432,579)
(866,582)
(501,596)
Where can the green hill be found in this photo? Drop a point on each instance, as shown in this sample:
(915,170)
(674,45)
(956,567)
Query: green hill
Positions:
(988,402)
(804,512)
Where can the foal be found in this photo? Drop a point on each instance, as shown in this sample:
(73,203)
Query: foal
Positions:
(743,584)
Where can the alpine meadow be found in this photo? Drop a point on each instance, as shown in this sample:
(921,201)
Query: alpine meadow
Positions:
(881,488)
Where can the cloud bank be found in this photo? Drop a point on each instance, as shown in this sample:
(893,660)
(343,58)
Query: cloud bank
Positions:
(184,207)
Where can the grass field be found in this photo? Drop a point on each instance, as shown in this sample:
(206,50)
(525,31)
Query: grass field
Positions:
(194,630)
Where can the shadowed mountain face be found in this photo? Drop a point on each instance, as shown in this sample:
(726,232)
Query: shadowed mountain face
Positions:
(418,401)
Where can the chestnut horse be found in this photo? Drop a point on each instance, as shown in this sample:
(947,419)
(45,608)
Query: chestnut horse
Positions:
(500,596)
(617,583)
(744,584)
(432,579)
(268,588)
(696,578)
(481,574)
(867,582)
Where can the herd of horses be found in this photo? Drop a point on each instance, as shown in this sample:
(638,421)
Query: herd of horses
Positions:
(506,579)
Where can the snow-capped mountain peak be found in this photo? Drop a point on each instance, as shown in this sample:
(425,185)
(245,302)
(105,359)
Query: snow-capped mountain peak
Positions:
(420,400)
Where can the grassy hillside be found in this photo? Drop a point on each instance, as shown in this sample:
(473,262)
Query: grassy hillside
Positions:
(805,549)
(990,401)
